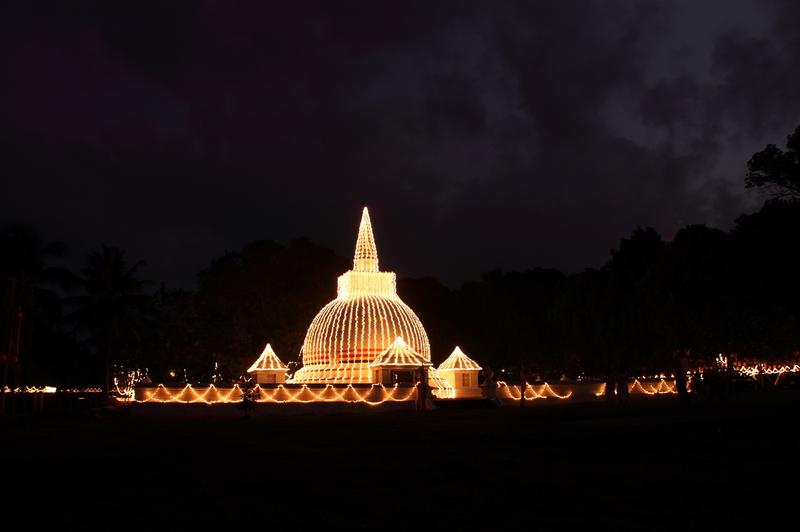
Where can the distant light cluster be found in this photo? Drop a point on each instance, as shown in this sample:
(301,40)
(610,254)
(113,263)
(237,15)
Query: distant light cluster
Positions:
(49,389)
(31,389)
(753,370)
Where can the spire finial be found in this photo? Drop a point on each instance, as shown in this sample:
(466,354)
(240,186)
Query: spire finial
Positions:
(366,256)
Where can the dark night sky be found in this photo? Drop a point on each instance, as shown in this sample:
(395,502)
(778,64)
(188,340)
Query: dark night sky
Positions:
(481,134)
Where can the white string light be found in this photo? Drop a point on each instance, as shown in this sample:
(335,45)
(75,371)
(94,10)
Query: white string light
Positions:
(44,389)
(752,370)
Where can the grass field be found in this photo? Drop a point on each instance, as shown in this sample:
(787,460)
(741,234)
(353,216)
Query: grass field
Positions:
(650,464)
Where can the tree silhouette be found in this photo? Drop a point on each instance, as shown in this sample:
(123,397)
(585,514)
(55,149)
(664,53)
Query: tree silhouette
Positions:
(706,291)
(113,306)
(28,282)
(777,171)
(265,292)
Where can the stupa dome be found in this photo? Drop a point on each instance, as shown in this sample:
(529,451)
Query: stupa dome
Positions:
(365,318)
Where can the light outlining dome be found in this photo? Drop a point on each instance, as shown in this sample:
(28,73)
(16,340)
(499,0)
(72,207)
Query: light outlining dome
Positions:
(363,321)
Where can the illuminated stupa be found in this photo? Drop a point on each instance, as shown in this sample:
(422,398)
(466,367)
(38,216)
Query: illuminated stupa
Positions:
(362,322)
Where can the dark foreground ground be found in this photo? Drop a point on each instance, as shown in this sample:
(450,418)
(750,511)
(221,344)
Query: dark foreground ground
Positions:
(647,465)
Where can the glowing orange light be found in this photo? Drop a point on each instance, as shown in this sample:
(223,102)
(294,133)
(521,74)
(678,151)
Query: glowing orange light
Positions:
(543,391)
(636,387)
(374,395)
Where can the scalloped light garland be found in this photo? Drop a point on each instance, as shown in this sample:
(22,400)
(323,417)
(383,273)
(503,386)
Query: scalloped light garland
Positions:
(637,387)
(506,391)
(281,394)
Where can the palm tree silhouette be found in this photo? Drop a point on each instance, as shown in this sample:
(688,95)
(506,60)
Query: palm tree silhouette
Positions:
(113,306)
(28,282)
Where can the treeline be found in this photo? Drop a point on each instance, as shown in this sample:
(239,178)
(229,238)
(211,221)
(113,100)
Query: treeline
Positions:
(706,291)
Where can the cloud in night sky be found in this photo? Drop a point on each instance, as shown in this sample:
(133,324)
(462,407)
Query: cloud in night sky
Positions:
(481,134)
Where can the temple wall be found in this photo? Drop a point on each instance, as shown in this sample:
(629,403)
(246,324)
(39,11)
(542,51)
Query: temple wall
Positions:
(368,394)
(284,397)
(579,391)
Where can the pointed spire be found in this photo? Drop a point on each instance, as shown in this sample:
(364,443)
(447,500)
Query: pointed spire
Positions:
(366,256)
